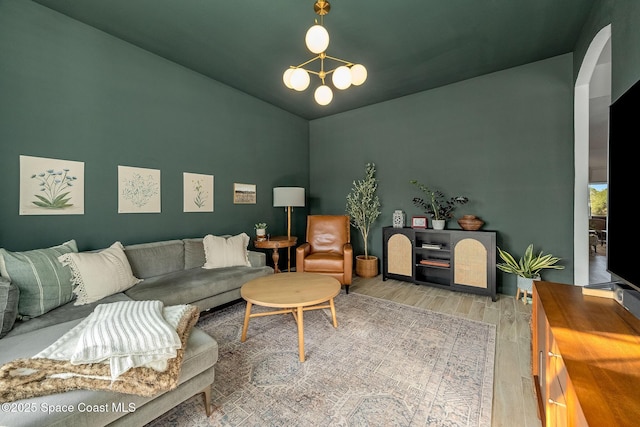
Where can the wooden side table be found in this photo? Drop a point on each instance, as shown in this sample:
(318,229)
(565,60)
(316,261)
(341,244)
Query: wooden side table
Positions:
(275,243)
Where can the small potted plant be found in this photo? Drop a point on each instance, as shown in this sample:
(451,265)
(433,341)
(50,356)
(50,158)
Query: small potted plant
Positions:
(436,205)
(363,208)
(528,268)
(261,231)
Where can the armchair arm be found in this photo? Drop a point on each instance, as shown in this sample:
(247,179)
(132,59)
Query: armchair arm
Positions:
(348,263)
(301,252)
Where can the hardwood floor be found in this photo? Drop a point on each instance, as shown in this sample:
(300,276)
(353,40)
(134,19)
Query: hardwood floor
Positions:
(514,402)
(598,265)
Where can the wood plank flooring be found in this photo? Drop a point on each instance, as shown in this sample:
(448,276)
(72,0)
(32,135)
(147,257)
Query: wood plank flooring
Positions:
(598,265)
(513,399)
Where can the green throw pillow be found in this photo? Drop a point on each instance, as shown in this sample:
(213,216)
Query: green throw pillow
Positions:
(8,305)
(43,281)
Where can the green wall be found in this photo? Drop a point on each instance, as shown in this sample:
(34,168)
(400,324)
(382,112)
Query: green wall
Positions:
(505,140)
(69,91)
(625,42)
(624,17)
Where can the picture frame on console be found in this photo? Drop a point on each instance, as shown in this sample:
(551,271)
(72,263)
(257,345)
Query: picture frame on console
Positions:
(418,222)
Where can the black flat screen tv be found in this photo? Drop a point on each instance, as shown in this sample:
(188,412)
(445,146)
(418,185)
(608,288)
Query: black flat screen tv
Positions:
(623,232)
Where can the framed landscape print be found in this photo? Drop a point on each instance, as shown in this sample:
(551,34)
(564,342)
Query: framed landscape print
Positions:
(51,186)
(198,192)
(244,193)
(138,190)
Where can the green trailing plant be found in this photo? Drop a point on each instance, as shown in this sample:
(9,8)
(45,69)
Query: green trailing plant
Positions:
(530,265)
(436,204)
(363,205)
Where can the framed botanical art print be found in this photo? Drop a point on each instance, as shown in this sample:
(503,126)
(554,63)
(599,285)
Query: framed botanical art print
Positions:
(51,186)
(197,192)
(138,190)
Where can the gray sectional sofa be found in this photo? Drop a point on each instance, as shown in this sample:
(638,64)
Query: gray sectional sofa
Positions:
(172,273)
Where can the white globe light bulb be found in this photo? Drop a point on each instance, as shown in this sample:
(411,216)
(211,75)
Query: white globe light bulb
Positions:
(323,95)
(317,39)
(299,79)
(358,74)
(341,77)
(286,77)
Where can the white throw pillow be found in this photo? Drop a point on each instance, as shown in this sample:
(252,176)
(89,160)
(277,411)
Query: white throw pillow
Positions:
(226,251)
(96,275)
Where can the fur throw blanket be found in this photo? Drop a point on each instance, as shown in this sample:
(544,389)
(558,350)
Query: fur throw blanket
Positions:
(26,378)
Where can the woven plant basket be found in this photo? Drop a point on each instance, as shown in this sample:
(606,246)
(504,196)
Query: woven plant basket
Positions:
(366,267)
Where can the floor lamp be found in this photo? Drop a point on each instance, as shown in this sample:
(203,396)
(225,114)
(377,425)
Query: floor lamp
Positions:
(288,197)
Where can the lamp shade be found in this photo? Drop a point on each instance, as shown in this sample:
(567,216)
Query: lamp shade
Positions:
(288,196)
(323,95)
(317,39)
(299,79)
(358,74)
(342,77)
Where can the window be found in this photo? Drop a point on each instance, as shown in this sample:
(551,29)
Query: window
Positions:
(598,199)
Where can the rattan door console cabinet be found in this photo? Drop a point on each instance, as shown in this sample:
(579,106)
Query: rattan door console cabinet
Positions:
(458,260)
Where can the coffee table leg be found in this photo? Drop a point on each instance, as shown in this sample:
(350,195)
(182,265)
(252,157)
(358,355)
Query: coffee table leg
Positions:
(245,326)
(333,313)
(300,333)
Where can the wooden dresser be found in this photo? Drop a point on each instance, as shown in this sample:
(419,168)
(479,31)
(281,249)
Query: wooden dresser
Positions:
(586,358)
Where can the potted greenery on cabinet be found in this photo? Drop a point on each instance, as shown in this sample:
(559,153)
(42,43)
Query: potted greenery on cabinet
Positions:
(363,208)
(436,205)
(527,269)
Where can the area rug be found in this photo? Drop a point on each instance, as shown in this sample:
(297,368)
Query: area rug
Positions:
(387,364)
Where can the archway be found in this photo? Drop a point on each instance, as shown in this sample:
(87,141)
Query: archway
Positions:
(581,156)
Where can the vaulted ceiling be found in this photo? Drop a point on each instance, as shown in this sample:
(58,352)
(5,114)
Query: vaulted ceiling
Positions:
(407,45)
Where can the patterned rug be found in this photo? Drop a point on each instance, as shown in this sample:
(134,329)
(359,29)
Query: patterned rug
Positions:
(386,364)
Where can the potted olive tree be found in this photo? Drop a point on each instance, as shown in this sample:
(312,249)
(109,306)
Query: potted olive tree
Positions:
(363,208)
(436,205)
(527,269)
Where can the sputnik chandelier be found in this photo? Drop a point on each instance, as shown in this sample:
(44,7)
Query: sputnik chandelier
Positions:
(317,41)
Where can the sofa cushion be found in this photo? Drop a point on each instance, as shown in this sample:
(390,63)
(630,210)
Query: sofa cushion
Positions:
(99,274)
(64,313)
(9,294)
(190,286)
(222,251)
(43,281)
(156,258)
(324,262)
(193,253)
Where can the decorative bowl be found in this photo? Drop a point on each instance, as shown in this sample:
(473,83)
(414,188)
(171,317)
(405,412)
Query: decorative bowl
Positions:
(470,222)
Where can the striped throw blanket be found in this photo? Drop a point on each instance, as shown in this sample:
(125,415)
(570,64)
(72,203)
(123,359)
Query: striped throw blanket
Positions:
(126,334)
(116,334)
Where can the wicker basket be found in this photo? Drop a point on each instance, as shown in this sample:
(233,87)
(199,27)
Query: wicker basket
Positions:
(366,267)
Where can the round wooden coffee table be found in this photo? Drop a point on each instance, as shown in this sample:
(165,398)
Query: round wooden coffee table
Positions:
(293,293)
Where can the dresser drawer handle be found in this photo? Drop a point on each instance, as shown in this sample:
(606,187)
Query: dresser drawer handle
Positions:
(554,402)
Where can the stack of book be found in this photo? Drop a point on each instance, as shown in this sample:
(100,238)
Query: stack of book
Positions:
(431,246)
(604,290)
(435,262)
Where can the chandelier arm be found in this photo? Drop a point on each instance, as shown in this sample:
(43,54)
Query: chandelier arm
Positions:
(306,62)
(339,60)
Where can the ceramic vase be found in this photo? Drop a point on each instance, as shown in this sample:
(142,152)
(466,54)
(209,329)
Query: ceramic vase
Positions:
(398,218)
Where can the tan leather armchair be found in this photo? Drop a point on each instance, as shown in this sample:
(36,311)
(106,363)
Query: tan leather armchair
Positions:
(327,249)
